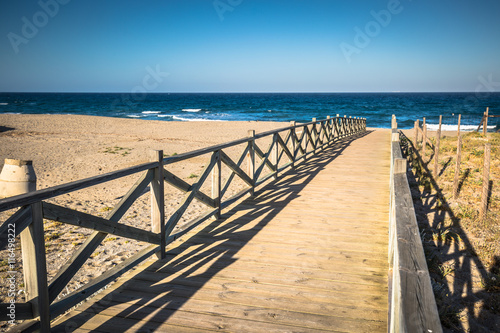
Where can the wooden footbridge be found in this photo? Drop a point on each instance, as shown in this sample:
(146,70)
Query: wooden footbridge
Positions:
(311,246)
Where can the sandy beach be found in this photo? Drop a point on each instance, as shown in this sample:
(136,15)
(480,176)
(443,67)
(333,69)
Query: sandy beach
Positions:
(65,148)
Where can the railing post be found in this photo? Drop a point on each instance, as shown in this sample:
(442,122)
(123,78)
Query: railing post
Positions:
(32,243)
(274,154)
(486,182)
(394,127)
(217,183)
(417,127)
(458,127)
(457,167)
(424,139)
(436,148)
(251,160)
(328,129)
(158,201)
(338,126)
(293,137)
(346,129)
(485,122)
(313,135)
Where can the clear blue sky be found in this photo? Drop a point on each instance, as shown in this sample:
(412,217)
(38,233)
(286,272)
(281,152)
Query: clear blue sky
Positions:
(249,45)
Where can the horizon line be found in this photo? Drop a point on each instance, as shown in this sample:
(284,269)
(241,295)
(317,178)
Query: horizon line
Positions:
(244,92)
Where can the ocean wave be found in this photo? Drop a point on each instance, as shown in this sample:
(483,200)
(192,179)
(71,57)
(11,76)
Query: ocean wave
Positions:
(134,116)
(151,112)
(165,115)
(191,110)
(193,119)
(4,103)
(434,127)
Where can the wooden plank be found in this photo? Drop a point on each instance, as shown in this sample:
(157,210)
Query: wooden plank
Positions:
(224,316)
(186,187)
(69,216)
(275,299)
(413,307)
(17,222)
(51,192)
(235,168)
(21,311)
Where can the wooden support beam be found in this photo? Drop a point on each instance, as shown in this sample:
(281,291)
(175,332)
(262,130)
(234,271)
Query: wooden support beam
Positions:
(216,184)
(20,219)
(235,168)
(180,184)
(293,136)
(20,311)
(275,154)
(251,160)
(79,219)
(51,192)
(158,201)
(35,268)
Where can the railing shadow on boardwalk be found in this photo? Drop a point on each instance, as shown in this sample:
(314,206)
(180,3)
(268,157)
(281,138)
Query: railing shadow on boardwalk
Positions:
(451,244)
(150,296)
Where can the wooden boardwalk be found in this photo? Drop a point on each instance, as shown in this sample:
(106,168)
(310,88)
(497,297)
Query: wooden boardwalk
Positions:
(307,254)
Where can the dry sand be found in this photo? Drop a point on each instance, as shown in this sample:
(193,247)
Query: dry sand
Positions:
(65,148)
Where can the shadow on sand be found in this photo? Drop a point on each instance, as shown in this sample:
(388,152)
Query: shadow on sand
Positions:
(458,276)
(158,292)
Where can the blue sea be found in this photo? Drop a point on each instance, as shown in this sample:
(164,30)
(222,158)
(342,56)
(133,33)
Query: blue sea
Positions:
(377,108)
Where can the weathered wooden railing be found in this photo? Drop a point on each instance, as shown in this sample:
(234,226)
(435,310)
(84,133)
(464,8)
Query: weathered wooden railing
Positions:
(294,142)
(412,305)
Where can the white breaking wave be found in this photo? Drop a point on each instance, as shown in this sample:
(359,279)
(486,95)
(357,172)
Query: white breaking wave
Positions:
(433,127)
(193,119)
(151,112)
(134,116)
(4,103)
(191,110)
(165,115)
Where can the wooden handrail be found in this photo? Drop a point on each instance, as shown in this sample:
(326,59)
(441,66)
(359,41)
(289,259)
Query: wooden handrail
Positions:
(315,136)
(412,306)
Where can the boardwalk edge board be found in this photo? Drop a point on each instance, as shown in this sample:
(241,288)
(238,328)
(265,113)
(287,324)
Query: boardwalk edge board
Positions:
(412,306)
